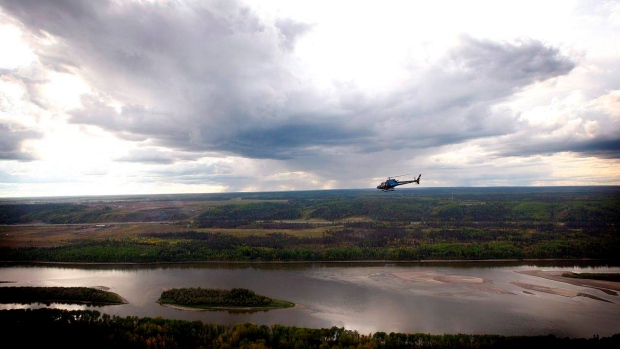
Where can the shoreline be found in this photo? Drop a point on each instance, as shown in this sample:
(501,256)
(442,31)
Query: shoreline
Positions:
(601,285)
(230,309)
(615,262)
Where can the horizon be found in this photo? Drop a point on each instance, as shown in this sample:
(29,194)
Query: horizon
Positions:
(284,192)
(279,95)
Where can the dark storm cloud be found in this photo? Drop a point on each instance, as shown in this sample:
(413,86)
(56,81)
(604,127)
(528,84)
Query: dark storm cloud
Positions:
(606,148)
(521,62)
(287,141)
(455,100)
(188,78)
(203,78)
(11,141)
(601,148)
(484,71)
(133,122)
(446,106)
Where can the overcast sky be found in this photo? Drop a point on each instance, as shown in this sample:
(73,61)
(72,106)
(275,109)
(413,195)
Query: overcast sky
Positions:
(148,97)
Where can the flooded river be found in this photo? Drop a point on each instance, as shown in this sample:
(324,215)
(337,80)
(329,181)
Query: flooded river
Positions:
(503,298)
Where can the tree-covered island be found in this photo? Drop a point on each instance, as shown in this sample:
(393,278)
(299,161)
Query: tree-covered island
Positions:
(208,298)
(66,295)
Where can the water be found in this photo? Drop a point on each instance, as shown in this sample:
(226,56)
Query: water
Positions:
(435,298)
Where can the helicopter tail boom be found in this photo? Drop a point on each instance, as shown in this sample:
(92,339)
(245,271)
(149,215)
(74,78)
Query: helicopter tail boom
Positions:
(391,183)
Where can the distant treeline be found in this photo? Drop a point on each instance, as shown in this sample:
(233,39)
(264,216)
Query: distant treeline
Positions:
(561,223)
(87,328)
(69,213)
(338,245)
(575,212)
(573,206)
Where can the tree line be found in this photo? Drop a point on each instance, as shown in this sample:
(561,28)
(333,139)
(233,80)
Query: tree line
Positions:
(516,223)
(130,251)
(348,242)
(574,206)
(88,328)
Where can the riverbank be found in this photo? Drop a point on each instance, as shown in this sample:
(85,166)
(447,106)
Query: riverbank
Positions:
(445,298)
(602,285)
(229,309)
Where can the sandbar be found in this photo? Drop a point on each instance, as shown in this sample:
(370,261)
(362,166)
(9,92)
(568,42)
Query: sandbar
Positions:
(478,283)
(486,285)
(606,286)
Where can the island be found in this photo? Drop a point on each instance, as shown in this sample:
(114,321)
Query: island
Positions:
(605,282)
(66,295)
(614,277)
(197,298)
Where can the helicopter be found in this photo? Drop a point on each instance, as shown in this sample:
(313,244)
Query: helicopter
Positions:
(391,183)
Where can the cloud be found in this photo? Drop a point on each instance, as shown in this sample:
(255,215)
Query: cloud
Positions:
(217,81)
(146,156)
(278,128)
(577,124)
(604,148)
(232,93)
(291,30)
(457,98)
(11,141)
(292,139)
(520,63)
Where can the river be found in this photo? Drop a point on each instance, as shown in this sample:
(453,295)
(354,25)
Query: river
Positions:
(420,297)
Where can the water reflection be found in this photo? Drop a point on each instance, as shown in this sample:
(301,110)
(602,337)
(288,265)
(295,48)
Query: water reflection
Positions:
(418,297)
(131,267)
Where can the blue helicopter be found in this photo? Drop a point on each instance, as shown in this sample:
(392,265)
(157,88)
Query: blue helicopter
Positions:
(391,183)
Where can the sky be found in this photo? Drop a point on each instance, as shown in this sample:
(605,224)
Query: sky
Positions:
(115,97)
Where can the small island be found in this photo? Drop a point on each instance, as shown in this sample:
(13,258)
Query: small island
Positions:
(217,299)
(615,277)
(65,295)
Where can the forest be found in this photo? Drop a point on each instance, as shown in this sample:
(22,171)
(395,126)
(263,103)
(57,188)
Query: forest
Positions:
(338,225)
(198,297)
(333,225)
(89,328)
(68,295)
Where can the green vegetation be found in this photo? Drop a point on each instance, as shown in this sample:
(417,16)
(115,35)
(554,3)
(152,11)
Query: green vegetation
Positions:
(595,276)
(67,295)
(77,329)
(71,213)
(206,298)
(235,215)
(357,225)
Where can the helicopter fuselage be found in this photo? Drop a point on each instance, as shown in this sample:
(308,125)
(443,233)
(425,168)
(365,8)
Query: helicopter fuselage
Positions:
(391,183)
